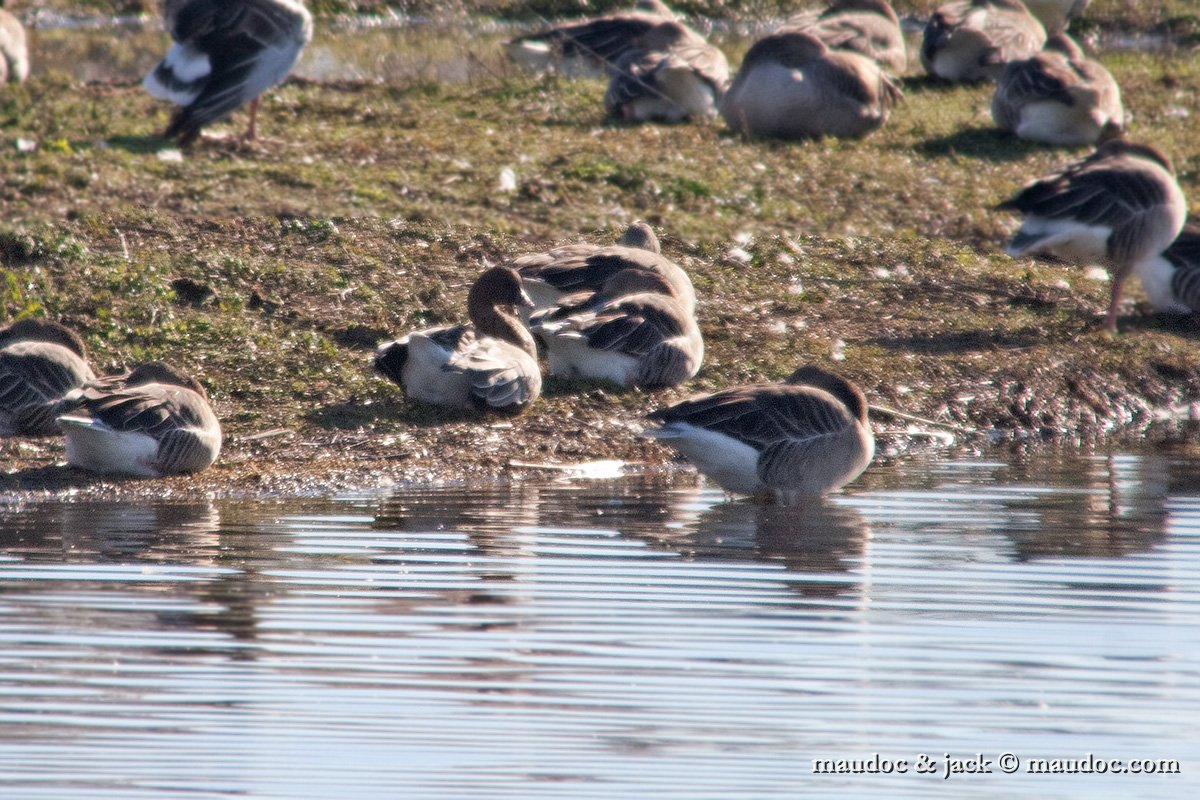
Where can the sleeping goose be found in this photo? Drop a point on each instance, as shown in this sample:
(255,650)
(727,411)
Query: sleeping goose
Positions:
(1058,96)
(634,332)
(1172,278)
(590,46)
(14,54)
(40,362)
(797,439)
(971,40)
(489,365)
(585,268)
(867,27)
(791,86)
(226,52)
(1056,14)
(153,422)
(1119,206)
(671,76)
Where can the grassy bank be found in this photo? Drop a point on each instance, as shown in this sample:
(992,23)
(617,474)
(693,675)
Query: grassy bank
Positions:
(272,271)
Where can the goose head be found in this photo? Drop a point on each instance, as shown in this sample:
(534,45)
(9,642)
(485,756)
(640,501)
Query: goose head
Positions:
(641,236)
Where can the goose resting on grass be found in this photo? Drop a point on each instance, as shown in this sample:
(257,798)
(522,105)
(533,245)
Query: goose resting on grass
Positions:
(971,40)
(1172,278)
(1120,207)
(40,362)
(226,52)
(488,365)
(792,440)
(153,422)
(590,47)
(867,27)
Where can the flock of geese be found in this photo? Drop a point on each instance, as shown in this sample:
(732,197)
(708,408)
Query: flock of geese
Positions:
(625,313)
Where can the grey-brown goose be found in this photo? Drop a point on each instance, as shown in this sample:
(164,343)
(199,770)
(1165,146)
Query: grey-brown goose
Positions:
(155,421)
(1058,96)
(574,268)
(590,46)
(14,51)
(792,440)
(971,40)
(867,27)
(40,362)
(226,52)
(634,332)
(1119,207)
(488,365)
(1055,15)
(671,77)
(791,86)
(1172,278)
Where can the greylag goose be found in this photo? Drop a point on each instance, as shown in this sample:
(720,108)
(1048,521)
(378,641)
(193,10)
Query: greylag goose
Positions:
(791,86)
(575,268)
(14,53)
(1119,206)
(669,80)
(155,421)
(797,439)
(1058,96)
(40,362)
(867,27)
(634,332)
(971,40)
(591,46)
(489,365)
(1172,278)
(226,52)
(1056,14)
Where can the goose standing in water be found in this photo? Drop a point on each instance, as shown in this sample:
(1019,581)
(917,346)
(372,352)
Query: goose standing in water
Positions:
(1120,206)
(40,362)
(867,27)
(1058,96)
(634,332)
(153,422)
(791,86)
(14,52)
(971,40)
(575,268)
(489,365)
(226,52)
(797,439)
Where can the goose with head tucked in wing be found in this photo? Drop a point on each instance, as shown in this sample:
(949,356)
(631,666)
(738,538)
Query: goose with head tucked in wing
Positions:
(590,47)
(633,332)
(791,86)
(1119,206)
(867,27)
(40,362)
(575,268)
(488,365)
(1058,96)
(152,422)
(226,52)
(971,40)
(805,437)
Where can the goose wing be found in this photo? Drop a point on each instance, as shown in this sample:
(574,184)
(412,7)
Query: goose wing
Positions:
(632,326)
(502,375)
(1093,193)
(33,378)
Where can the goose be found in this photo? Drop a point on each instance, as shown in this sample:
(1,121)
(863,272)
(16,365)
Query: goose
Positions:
(1058,96)
(867,27)
(1172,278)
(1119,206)
(971,40)
(548,277)
(14,53)
(805,437)
(489,365)
(226,52)
(671,76)
(791,86)
(590,47)
(40,362)
(154,421)
(634,332)
(1056,14)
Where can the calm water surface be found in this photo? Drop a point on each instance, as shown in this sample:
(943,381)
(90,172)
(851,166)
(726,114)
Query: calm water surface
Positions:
(610,639)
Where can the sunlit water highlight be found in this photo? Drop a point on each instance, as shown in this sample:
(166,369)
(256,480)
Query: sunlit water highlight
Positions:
(621,638)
